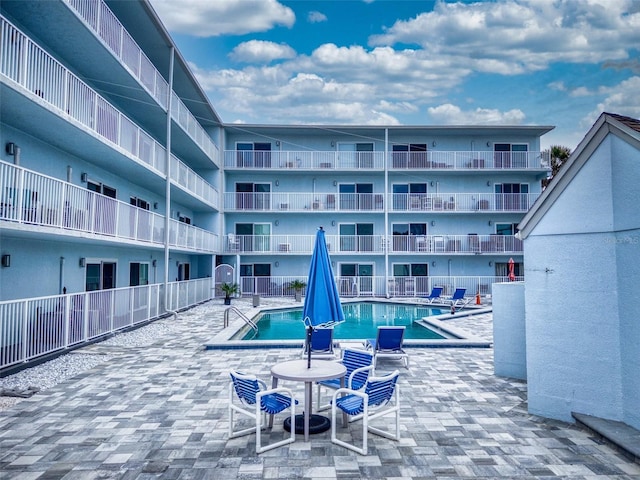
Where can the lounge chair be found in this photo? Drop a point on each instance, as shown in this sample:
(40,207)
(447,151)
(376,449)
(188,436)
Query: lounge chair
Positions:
(457,300)
(434,295)
(380,397)
(321,344)
(359,365)
(388,343)
(253,399)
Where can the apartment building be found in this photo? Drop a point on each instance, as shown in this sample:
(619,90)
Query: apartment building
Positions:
(123,194)
(405,208)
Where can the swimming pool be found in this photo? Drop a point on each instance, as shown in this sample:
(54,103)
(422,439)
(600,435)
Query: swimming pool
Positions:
(362,320)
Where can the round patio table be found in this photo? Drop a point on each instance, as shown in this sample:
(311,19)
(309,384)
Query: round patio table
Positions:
(298,371)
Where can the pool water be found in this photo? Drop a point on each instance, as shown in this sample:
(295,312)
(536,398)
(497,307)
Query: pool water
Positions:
(361,322)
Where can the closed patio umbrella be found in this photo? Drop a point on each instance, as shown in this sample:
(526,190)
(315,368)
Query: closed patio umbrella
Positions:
(512,266)
(322,308)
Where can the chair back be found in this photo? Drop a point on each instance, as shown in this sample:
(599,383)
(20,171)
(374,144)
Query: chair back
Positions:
(321,340)
(435,292)
(458,294)
(354,359)
(381,389)
(245,386)
(389,338)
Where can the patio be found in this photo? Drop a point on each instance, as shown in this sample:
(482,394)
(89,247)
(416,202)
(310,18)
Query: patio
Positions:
(159,410)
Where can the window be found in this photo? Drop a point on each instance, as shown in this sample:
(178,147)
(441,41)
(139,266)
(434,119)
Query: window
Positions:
(512,196)
(356,237)
(410,269)
(184,219)
(256,155)
(101,189)
(356,155)
(255,277)
(510,155)
(253,196)
(138,274)
(356,279)
(104,216)
(413,155)
(404,235)
(140,203)
(356,196)
(506,228)
(409,195)
(254,237)
(502,269)
(100,276)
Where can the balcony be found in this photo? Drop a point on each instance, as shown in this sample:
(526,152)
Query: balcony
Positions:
(374,202)
(106,26)
(303,202)
(471,244)
(29,199)
(75,102)
(375,161)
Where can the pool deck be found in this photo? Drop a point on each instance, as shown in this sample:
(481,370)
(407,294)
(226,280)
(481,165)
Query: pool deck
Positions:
(160,411)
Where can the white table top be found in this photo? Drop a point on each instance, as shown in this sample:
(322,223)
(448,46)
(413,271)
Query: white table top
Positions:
(297,370)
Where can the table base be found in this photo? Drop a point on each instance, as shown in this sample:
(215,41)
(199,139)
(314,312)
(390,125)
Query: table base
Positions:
(317,424)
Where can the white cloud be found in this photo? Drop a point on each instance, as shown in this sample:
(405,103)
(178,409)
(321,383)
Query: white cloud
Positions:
(204,18)
(517,36)
(261,51)
(621,99)
(449,114)
(316,17)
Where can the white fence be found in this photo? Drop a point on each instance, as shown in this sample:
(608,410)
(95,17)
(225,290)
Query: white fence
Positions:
(28,197)
(34,327)
(30,66)
(342,160)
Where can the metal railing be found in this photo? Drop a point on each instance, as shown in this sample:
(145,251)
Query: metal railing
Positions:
(33,327)
(339,160)
(376,286)
(31,67)
(30,198)
(375,244)
(374,202)
(246,319)
(101,20)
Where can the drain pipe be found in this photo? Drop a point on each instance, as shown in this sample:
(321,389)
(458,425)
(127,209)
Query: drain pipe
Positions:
(167,212)
(61,278)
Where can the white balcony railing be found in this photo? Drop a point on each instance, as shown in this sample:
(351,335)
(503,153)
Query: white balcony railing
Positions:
(33,327)
(338,160)
(107,27)
(378,286)
(30,66)
(375,244)
(29,198)
(374,202)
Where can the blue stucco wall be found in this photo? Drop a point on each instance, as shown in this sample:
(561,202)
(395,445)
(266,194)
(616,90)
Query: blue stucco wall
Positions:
(509,338)
(581,300)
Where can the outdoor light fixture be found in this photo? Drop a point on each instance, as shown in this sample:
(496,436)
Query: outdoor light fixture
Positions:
(155,205)
(6,261)
(433,223)
(11,148)
(277,143)
(82,262)
(277,264)
(333,144)
(433,264)
(277,222)
(488,144)
(433,144)
(153,262)
(491,264)
(84,177)
(489,222)
(488,183)
(277,183)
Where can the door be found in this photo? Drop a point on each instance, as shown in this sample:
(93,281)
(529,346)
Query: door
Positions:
(262,236)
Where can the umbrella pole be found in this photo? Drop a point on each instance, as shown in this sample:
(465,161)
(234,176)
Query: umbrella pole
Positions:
(309,333)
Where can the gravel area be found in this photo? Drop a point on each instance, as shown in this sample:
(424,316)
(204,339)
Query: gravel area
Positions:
(41,377)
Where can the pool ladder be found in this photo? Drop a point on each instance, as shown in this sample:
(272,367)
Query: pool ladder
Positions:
(246,319)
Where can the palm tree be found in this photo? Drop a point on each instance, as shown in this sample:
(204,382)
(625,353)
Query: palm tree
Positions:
(558,155)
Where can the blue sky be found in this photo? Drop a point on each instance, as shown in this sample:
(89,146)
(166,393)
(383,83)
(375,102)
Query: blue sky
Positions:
(410,62)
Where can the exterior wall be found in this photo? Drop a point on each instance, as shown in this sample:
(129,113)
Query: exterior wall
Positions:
(509,337)
(581,293)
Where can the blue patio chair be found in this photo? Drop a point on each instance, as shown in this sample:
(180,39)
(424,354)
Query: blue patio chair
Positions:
(359,365)
(388,343)
(457,300)
(253,399)
(321,344)
(380,397)
(434,295)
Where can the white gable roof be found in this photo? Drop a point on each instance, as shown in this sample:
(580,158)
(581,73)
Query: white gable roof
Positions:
(626,128)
